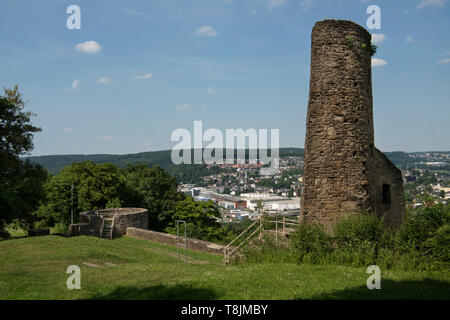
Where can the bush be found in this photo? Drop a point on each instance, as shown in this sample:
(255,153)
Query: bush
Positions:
(420,226)
(357,238)
(354,229)
(61,228)
(266,250)
(311,244)
(212,234)
(421,242)
(4,234)
(439,244)
(41,224)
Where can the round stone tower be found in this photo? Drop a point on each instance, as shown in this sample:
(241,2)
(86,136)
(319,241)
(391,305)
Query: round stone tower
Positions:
(340,158)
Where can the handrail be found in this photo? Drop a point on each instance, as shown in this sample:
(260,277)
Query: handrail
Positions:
(249,227)
(284,231)
(232,251)
(226,249)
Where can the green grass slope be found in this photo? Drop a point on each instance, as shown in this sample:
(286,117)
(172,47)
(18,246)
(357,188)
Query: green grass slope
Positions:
(127,268)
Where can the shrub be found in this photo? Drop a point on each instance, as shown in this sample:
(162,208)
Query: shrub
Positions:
(439,244)
(61,228)
(266,250)
(353,230)
(41,224)
(4,234)
(420,226)
(421,242)
(311,244)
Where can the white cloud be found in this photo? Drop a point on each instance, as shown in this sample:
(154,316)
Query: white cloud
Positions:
(253,12)
(443,61)
(378,62)
(409,39)
(431,3)
(378,38)
(275,3)
(184,106)
(75,84)
(89,47)
(210,91)
(104,138)
(104,80)
(145,76)
(68,130)
(206,31)
(306,4)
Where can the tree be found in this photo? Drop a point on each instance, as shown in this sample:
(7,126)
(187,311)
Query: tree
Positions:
(201,219)
(21,183)
(21,192)
(153,189)
(96,186)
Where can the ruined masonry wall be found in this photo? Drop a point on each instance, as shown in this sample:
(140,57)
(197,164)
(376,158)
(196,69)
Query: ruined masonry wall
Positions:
(341,162)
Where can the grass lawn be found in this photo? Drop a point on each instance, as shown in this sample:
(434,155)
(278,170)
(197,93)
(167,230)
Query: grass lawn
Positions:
(127,268)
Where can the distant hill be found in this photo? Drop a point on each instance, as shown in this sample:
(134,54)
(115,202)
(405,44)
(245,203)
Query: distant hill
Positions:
(54,163)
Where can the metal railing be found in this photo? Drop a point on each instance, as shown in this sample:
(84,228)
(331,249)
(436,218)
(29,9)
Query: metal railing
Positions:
(287,227)
(226,250)
(181,243)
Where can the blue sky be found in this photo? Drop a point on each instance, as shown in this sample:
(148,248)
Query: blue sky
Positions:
(137,70)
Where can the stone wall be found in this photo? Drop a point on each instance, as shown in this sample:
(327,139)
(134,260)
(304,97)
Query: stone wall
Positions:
(137,219)
(94,220)
(91,221)
(342,167)
(80,229)
(386,189)
(170,239)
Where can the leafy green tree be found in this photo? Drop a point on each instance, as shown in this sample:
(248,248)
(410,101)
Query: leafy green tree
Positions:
(153,189)
(408,197)
(95,186)
(21,183)
(21,192)
(201,218)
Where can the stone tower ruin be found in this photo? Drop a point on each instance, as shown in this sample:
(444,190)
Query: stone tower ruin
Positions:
(343,171)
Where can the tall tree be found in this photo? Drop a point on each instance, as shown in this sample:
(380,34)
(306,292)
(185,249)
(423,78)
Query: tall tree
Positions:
(95,186)
(21,183)
(155,190)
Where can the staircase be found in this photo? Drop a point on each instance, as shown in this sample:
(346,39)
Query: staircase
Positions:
(107,228)
(281,229)
(252,229)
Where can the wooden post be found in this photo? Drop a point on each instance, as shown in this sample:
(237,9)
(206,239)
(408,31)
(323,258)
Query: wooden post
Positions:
(260,228)
(276,229)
